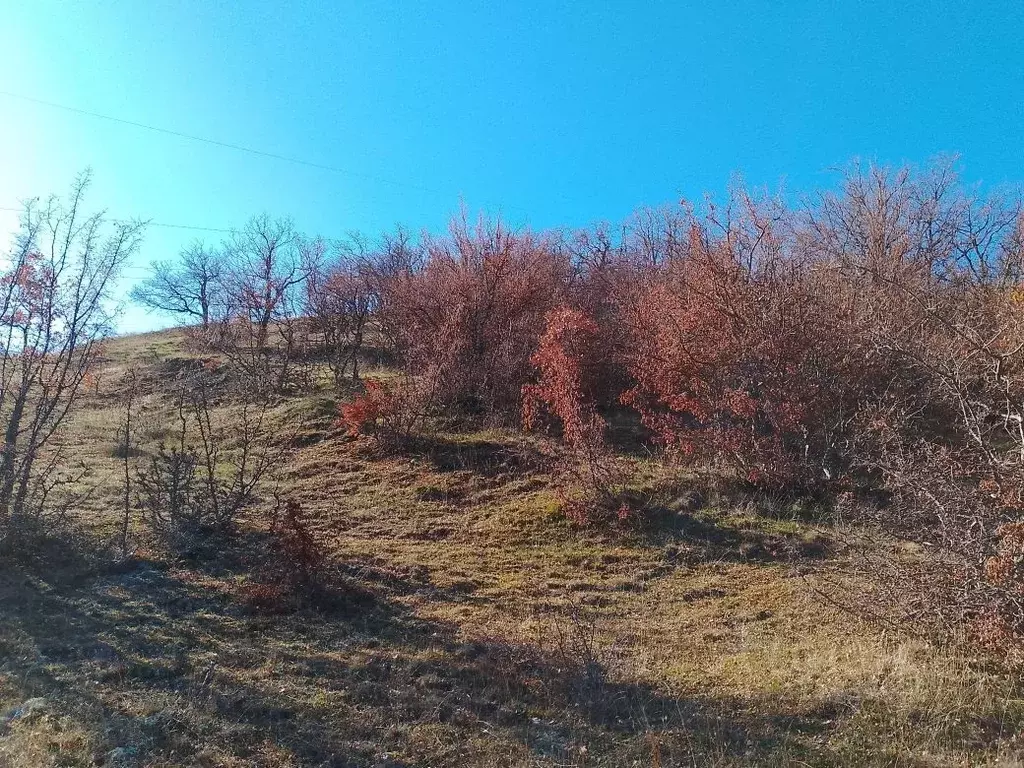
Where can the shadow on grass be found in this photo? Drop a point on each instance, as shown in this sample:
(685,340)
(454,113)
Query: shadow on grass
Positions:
(691,538)
(370,356)
(481,456)
(627,434)
(169,662)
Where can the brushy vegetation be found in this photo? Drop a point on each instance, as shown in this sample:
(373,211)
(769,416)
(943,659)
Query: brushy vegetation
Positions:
(736,485)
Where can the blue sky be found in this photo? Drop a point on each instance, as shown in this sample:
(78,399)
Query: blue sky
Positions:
(552,113)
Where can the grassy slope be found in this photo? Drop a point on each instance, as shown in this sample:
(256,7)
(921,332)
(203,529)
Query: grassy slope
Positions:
(471,627)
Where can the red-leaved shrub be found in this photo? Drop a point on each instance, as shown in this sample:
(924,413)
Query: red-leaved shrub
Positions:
(471,315)
(390,412)
(738,354)
(567,379)
(295,573)
(302,557)
(565,383)
(1000,626)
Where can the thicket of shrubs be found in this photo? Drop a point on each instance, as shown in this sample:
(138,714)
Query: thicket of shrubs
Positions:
(868,339)
(871,338)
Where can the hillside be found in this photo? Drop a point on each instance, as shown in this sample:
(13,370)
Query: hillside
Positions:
(466,622)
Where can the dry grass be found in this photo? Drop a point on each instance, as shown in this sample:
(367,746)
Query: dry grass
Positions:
(465,623)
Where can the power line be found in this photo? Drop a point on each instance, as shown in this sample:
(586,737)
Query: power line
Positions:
(229,145)
(185,226)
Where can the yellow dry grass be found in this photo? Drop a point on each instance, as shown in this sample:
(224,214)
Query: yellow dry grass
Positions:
(470,626)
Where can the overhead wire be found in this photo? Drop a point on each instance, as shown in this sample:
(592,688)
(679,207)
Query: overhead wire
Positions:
(212,142)
(234,146)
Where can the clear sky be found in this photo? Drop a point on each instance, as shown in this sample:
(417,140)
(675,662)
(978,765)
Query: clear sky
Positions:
(552,113)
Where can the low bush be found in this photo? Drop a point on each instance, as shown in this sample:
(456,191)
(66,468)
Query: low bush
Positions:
(202,482)
(734,362)
(302,558)
(391,413)
(294,573)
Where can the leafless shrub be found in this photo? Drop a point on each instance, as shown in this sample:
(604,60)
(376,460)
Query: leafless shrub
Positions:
(207,478)
(569,635)
(933,275)
(125,449)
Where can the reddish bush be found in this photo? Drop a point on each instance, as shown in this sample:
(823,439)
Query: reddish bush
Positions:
(564,361)
(472,314)
(364,413)
(999,625)
(295,574)
(738,356)
(389,412)
(302,557)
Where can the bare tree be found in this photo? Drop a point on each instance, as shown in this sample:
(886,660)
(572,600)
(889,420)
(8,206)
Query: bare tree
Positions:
(268,261)
(54,310)
(339,302)
(188,288)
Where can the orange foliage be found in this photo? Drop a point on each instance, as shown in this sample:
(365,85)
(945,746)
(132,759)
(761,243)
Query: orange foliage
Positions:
(472,314)
(567,379)
(734,362)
